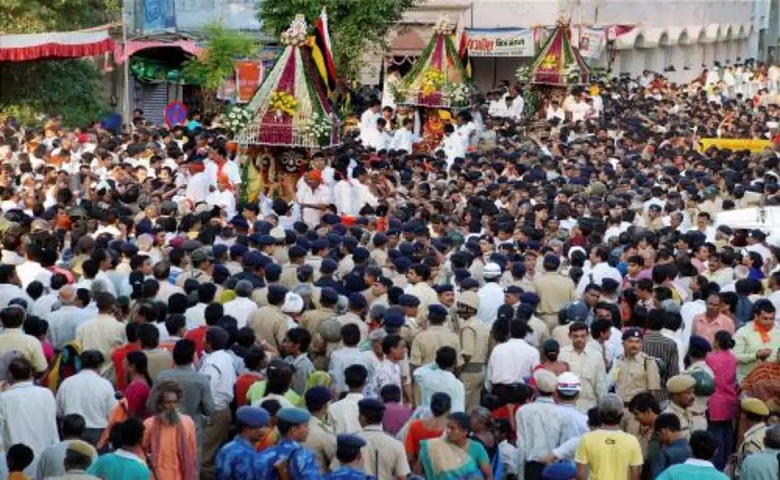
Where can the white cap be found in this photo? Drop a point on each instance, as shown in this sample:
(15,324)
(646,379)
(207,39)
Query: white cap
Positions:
(569,383)
(293,303)
(491,270)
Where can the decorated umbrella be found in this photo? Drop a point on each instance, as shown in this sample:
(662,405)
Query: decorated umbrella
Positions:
(291,107)
(558,63)
(437,79)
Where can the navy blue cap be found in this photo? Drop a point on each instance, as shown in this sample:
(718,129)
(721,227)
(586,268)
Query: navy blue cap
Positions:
(407,300)
(267,240)
(371,405)
(252,259)
(529,298)
(408,227)
(461,274)
(437,311)
(347,441)
(513,290)
(239,222)
(632,333)
(700,343)
(317,397)
(311,235)
(328,266)
(468,283)
(402,264)
(380,239)
(339,229)
(237,250)
(255,237)
(443,288)
(129,248)
(518,269)
(273,269)
(350,241)
(329,294)
(386,281)
(264,228)
(394,318)
(277,290)
(320,244)
(253,417)
(294,416)
(334,239)
(219,250)
(360,254)
(357,300)
(296,251)
(406,248)
(302,242)
(331,219)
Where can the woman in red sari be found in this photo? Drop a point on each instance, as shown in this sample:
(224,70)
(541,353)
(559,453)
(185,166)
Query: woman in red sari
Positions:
(424,429)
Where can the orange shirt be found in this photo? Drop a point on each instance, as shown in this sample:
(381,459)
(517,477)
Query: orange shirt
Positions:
(243,383)
(166,461)
(118,358)
(707,328)
(198,335)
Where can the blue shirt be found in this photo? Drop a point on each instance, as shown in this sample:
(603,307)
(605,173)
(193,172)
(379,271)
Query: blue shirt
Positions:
(302,462)
(234,461)
(761,466)
(673,454)
(431,379)
(348,473)
(692,469)
(120,465)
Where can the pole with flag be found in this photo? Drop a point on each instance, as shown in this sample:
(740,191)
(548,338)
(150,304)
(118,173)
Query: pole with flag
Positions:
(322,54)
(461,45)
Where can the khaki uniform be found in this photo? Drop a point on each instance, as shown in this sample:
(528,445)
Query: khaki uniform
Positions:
(195,274)
(383,456)
(633,375)
(527,284)
(234,267)
(322,442)
(685,418)
(316,262)
(428,342)
(427,297)
(354,319)
(555,290)
(539,330)
(698,410)
(260,297)
(380,256)
(289,277)
(399,280)
(561,335)
(281,255)
(311,320)
(270,324)
(753,442)
(408,331)
(474,339)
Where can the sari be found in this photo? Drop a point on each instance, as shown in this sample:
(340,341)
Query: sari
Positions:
(443,460)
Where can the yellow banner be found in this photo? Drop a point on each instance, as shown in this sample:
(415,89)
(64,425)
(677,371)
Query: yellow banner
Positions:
(755,146)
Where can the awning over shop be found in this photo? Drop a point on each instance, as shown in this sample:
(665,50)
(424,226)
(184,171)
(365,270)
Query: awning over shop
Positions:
(135,46)
(33,46)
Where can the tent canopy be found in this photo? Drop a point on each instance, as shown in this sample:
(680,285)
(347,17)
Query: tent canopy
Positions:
(558,62)
(34,46)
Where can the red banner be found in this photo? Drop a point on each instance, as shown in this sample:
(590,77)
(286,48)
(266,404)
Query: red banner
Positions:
(249,74)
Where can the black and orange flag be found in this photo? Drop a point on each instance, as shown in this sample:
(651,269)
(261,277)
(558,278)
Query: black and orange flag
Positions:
(321,53)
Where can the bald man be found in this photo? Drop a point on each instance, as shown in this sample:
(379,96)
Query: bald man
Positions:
(64,321)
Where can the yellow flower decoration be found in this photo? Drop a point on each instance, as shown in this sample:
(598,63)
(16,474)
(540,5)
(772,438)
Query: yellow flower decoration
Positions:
(284,103)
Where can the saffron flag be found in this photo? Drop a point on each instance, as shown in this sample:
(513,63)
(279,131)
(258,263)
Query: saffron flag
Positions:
(461,45)
(322,54)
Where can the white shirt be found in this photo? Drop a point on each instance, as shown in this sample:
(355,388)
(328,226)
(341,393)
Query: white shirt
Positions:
(681,348)
(579,110)
(108,284)
(555,113)
(9,292)
(241,308)
(344,414)
(515,111)
(30,271)
(402,140)
(89,395)
(197,188)
(225,199)
(43,306)
(362,195)
(28,415)
(64,322)
(491,297)
(511,362)
(219,367)
(345,357)
(306,196)
(195,316)
(368,122)
(597,275)
(342,197)
(453,147)
(689,311)
(376,139)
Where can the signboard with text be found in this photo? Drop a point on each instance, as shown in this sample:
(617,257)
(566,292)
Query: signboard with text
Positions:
(500,42)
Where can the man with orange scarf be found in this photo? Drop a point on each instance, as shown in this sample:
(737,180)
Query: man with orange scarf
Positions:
(219,168)
(757,341)
(169,437)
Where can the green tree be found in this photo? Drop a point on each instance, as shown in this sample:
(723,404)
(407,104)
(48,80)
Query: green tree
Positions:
(25,16)
(356,26)
(222,48)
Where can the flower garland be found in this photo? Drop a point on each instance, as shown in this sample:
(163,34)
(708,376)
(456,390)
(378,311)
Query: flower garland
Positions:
(283,103)
(318,127)
(296,34)
(572,73)
(237,118)
(432,81)
(442,26)
(458,94)
(524,73)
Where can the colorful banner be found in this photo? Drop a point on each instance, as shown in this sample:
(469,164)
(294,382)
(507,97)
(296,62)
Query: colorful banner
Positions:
(158,16)
(755,146)
(500,42)
(249,74)
(592,42)
(228,90)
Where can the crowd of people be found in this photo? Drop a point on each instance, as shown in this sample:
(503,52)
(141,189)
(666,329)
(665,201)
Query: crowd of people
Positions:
(536,298)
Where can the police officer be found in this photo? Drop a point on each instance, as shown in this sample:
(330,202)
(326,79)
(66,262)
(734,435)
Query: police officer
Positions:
(446,297)
(311,321)
(289,277)
(754,413)
(555,290)
(634,372)
(269,323)
(426,343)
(289,458)
(383,455)
(474,340)
(321,439)
(348,454)
(680,387)
(234,459)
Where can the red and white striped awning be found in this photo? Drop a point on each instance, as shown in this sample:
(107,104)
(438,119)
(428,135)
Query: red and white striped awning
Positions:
(33,46)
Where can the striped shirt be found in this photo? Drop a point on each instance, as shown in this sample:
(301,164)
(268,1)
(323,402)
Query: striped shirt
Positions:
(655,344)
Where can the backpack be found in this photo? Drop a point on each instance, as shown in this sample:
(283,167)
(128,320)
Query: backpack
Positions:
(66,364)
(705,384)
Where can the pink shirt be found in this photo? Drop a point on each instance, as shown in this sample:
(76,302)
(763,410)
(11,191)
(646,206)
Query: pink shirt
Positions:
(704,327)
(723,402)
